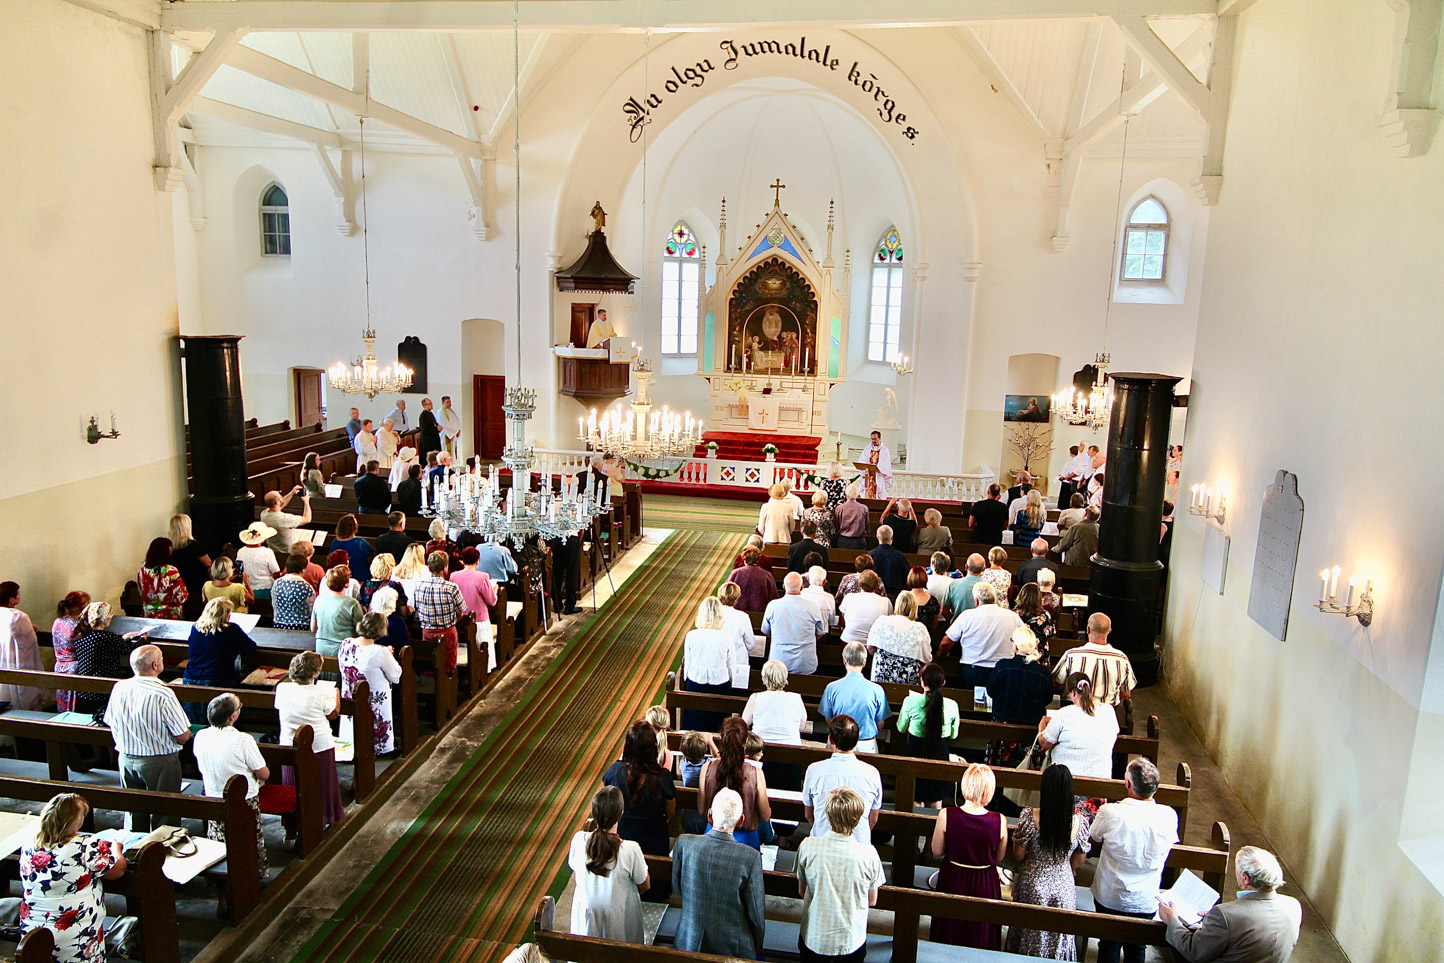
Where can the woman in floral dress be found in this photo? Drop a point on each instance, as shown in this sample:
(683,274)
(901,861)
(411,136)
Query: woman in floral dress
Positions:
(361,658)
(62,631)
(162,592)
(822,516)
(997,576)
(1029,606)
(1050,843)
(901,645)
(60,871)
(834,485)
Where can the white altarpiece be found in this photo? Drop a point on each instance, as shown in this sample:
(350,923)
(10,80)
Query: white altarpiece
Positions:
(774,330)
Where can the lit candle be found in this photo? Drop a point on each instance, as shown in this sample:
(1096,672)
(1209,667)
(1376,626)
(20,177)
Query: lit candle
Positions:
(580,432)
(732,360)
(1324,586)
(1334,583)
(806,357)
(1353,584)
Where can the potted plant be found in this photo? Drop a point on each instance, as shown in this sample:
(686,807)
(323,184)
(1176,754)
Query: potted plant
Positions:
(711,449)
(770,450)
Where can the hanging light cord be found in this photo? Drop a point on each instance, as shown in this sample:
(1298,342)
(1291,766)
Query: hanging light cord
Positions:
(516,152)
(1118,204)
(365,221)
(646,85)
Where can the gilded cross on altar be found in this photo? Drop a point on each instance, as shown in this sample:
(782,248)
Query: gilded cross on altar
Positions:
(777,187)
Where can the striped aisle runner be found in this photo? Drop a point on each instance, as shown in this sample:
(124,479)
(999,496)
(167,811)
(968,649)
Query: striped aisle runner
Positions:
(702,514)
(463,880)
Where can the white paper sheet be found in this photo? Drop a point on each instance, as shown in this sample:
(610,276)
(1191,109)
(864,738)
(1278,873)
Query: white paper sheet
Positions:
(246,620)
(332,491)
(1191,896)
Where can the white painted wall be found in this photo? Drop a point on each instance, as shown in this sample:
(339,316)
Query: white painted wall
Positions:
(1317,339)
(87,290)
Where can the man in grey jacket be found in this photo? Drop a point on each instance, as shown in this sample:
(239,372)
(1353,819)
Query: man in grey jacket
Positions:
(720,882)
(1260,926)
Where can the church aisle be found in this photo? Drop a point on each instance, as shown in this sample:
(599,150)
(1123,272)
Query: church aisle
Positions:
(703,514)
(462,880)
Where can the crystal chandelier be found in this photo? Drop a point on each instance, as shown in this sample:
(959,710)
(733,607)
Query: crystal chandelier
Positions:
(643,435)
(473,501)
(362,377)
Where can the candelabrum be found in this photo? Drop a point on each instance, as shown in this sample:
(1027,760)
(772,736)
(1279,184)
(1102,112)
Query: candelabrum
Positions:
(1357,604)
(1201,503)
(901,365)
(1090,411)
(642,434)
(364,378)
(474,502)
(93,434)
(520,403)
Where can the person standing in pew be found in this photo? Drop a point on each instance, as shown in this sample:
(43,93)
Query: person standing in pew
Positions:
(1028,571)
(970,840)
(283,524)
(300,702)
(439,607)
(358,551)
(960,597)
(794,625)
(256,561)
(930,721)
(162,591)
(759,587)
(854,696)
(311,478)
(373,493)
(649,799)
(149,727)
(989,517)
(756,542)
(816,592)
(807,545)
(984,635)
(890,564)
(215,645)
(842,768)
(223,751)
(611,874)
(1022,691)
(898,515)
(708,662)
(838,879)
(1137,835)
(364,657)
(731,770)
(61,870)
(292,596)
(934,536)
(940,573)
(777,716)
(407,494)
(496,560)
(852,518)
(68,615)
(335,614)
(720,881)
(1050,843)
(1108,669)
(394,541)
(353,427)
(737,623)
(1030,608)
(99,652)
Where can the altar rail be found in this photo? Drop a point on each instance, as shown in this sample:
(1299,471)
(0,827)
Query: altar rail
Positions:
(762,475)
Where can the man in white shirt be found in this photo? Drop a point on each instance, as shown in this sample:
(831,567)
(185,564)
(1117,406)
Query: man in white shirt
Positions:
(794,625)
(284,522)
(1137,835)
(365,446)
(1072,477)
(450,427)
(223,751)
(817,593)
(398,416)
(842,768)
(149,727)
(940,576)
(985,632)
(838,879)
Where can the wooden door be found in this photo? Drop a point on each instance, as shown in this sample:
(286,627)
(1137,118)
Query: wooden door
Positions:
(308,396)
(582,315)
(488,432)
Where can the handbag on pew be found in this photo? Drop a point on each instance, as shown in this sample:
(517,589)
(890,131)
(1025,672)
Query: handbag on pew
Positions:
(177,841)
(1034,760)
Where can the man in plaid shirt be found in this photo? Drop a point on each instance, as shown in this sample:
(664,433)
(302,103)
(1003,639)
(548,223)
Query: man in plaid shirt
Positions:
(438,608)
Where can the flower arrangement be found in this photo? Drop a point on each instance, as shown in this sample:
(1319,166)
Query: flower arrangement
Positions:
(711,446)
(735,384)
(769,449)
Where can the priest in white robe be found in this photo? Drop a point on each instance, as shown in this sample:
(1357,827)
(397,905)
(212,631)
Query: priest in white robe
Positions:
(450,428)
(877,484)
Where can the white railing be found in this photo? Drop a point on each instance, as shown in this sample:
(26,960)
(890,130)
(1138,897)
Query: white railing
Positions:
(761,475)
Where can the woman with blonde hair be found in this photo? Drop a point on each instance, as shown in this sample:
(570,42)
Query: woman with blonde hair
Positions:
(707,663)
(411,569)
(997,576)
(99,652)
(190,560)
(382,568)
(934,536)
(735,622)
(775,520)
(215,644)
(970,840)
(60,874)
(611,874)
(1031,519)
(300,702)
(901,645)
(221,585)
(821,516)
(661,722)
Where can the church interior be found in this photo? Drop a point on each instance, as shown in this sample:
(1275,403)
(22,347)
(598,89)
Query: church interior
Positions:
(643,275)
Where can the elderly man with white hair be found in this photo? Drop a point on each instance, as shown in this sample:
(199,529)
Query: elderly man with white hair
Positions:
(816,592)
(794,625)
(1261,926)
(1028,571)
(985,633)
(720,882)
(1136,836)
(852,517)
(149,727)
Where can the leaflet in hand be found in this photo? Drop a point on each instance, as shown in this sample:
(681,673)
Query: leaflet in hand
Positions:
(1190,896)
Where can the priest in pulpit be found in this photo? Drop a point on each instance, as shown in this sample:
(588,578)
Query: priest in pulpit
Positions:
(600,330)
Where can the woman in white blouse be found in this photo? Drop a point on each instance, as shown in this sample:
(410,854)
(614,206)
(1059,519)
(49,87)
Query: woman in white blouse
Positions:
(777,716)
(301,702)
(900,644)
(1081,734)
(707,664)
(611,875)
(736,623)
(862,608)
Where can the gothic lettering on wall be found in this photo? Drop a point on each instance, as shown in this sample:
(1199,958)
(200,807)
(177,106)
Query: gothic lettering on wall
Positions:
(772,321)
(864,82)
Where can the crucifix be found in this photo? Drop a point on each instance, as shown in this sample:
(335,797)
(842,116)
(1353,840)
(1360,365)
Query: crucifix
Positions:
(777,187)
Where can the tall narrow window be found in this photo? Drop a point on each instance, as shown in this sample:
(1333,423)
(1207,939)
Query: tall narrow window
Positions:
(275,222)
(1145,243)
(681,282)
(884,327)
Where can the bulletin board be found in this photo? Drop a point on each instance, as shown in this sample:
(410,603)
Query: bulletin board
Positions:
(1280,525)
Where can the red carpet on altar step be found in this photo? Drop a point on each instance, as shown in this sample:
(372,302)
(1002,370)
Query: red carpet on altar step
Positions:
(747,446)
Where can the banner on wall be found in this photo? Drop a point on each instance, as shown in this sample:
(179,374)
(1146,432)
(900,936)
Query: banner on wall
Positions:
(862,82)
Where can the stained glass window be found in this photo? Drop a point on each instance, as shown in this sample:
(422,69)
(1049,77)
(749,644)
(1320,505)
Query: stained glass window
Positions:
(275,222)
(681,290)
(884,326)
(1145,242)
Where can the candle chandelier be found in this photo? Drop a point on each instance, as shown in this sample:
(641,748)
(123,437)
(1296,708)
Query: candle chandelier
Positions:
(642,435)
(364,376)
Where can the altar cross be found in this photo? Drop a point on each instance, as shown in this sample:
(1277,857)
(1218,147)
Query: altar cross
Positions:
(777,187)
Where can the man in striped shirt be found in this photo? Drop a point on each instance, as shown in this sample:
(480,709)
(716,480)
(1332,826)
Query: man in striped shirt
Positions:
(1107,668)
(439,607)
(149,727)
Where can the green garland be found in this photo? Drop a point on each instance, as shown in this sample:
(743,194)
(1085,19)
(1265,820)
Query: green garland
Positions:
(816,480)
(648,473)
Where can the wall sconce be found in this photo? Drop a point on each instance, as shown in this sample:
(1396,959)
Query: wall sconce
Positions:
(1201,503)
(1357,604)
(93,434)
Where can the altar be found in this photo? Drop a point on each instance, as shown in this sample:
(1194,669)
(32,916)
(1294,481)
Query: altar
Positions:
(774,327)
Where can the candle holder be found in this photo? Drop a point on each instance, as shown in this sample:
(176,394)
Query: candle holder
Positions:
(1357,604)
(93,434)
(1201,504)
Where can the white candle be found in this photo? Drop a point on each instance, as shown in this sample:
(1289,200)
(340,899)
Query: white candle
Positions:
(1208,503)
(1324,587)
(806,357)
(1353,584)
(1334,583)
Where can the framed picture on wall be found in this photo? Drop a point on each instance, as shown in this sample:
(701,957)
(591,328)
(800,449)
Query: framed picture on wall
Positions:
(1026,408)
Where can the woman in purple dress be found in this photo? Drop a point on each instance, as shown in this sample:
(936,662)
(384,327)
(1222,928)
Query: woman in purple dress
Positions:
(971,841)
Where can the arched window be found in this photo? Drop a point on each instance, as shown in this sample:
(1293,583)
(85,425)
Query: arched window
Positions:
(681,282)
(1145,242)
(884,326)
(275,222)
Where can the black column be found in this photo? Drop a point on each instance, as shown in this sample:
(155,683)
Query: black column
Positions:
(221,502)
(1127,578)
